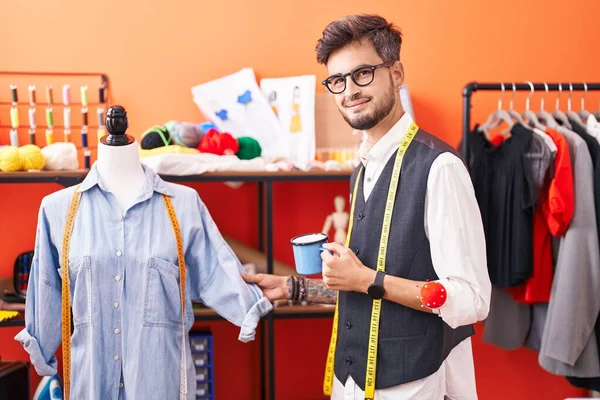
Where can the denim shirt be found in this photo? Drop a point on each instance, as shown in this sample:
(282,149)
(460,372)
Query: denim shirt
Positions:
(124,274)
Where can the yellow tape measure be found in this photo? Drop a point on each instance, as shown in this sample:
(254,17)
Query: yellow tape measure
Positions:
(376,310)
(66,292)
(182,278)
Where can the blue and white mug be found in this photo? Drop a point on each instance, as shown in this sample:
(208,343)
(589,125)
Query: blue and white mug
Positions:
(307,252)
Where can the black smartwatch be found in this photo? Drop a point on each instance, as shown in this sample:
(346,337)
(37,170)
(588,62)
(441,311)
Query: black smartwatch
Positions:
(376,290)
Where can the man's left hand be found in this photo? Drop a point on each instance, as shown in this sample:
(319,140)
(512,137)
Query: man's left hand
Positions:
(344,271)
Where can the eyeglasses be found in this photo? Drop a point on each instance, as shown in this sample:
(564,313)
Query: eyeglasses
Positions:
(361,76)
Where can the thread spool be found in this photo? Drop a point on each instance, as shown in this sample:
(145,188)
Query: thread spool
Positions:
(84,137)
(67,118)
(13,94)
(85,116)
(84,97)
(32,118)
(14,137)
(49,117)
(32,99)
(86,158)
(66,95)
(49,94)
(49,136)
(101,90)
(14,117)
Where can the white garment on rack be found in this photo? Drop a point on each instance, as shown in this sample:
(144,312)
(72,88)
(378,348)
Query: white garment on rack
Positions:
(593,127)
(454,228)
(547,139)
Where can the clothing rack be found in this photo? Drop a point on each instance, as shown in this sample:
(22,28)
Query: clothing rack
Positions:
(509,87)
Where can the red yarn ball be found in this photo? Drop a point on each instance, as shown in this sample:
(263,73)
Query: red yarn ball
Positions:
(433,295)
(220,143)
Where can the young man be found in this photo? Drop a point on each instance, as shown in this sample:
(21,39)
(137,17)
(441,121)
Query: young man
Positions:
(435,237)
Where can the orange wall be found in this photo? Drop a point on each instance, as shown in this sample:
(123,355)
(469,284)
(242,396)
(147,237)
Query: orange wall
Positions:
(154,52)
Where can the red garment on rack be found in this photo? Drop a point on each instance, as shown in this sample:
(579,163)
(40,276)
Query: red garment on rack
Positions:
(560,204)
(553,218)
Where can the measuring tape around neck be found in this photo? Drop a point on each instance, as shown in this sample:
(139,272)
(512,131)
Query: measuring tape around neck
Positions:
(381,255)
(66,293)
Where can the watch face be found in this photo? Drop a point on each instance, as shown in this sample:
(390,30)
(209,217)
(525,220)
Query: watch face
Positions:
(376,291)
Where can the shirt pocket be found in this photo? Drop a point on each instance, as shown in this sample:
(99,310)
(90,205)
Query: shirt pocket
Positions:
(162,300)
(80,278)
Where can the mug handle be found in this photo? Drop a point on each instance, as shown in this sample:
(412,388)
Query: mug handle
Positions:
(324,249)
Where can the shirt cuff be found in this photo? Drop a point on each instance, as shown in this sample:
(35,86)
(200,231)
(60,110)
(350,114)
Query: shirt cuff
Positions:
(258,310)
(32,347)
(458,310)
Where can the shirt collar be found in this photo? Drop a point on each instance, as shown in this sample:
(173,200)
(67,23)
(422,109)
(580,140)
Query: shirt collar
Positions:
(387,144)
(153,182)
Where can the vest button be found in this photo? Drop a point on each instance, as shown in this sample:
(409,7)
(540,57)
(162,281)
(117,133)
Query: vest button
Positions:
(360,216)
(356,251)
(348,325)
(348,361)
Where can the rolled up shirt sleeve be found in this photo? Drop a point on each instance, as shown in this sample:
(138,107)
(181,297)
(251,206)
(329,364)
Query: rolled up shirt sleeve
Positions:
(215,276)
(455,230)
(42,333)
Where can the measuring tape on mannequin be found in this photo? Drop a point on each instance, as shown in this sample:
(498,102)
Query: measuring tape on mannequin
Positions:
(376,310)
(66,293)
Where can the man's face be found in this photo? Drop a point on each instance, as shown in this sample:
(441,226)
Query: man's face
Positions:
(363,107)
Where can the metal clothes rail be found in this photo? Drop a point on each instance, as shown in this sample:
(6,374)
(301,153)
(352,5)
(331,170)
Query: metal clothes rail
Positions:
(510,87)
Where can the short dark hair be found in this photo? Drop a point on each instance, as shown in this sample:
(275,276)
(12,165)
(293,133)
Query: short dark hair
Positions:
(385,36)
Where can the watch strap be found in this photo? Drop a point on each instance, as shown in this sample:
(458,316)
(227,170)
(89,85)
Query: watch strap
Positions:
(379,278)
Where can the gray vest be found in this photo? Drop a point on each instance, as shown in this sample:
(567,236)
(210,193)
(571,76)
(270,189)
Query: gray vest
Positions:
(412,344)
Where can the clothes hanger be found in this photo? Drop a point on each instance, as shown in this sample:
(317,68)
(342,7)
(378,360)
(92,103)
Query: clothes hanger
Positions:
(528,115)
(539,132)
(496,117)
(515,115)
(572,115)
(583,113)
(544,116)
(558,115)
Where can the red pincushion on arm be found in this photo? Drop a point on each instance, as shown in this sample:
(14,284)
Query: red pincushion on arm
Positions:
(433,295)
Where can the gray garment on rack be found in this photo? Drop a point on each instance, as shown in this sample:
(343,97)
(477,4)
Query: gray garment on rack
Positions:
(508,320)
(568,343)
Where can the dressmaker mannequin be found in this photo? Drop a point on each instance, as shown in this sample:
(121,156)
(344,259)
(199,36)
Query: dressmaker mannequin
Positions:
(118,163)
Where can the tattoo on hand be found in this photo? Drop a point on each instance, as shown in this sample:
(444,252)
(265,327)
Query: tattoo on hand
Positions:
(316,292)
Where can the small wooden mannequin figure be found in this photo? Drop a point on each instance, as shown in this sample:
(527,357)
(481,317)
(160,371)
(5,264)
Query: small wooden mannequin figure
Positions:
(339,219)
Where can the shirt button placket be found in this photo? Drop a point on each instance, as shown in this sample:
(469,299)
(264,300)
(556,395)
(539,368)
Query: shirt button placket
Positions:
(118,275)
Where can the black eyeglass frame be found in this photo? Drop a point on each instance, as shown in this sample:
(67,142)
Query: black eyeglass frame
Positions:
(351,75)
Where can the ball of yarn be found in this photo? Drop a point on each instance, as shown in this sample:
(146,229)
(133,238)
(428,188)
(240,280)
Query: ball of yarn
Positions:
(249,148)
(61,156)
(185,133)
(218,143)
(157,136)
(24,158)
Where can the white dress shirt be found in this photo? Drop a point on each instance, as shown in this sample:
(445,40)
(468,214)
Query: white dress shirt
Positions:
(454,228)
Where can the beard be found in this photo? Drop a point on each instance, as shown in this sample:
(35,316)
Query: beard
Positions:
(369,119)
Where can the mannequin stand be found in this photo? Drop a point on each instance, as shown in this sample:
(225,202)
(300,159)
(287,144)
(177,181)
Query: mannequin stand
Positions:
(118,163)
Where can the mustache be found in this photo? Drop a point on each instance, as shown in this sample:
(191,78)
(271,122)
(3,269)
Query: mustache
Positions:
(355,97)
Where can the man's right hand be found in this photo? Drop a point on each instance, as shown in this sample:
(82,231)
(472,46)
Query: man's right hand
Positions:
(274,287)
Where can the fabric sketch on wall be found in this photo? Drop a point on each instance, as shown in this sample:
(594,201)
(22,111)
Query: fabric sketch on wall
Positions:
(236,105)
(292,99)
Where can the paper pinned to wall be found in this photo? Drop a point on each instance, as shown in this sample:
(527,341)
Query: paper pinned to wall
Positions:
(292,99)
(235,104)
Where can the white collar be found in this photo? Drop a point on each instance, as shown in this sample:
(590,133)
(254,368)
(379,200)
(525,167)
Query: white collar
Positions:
(385,147)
